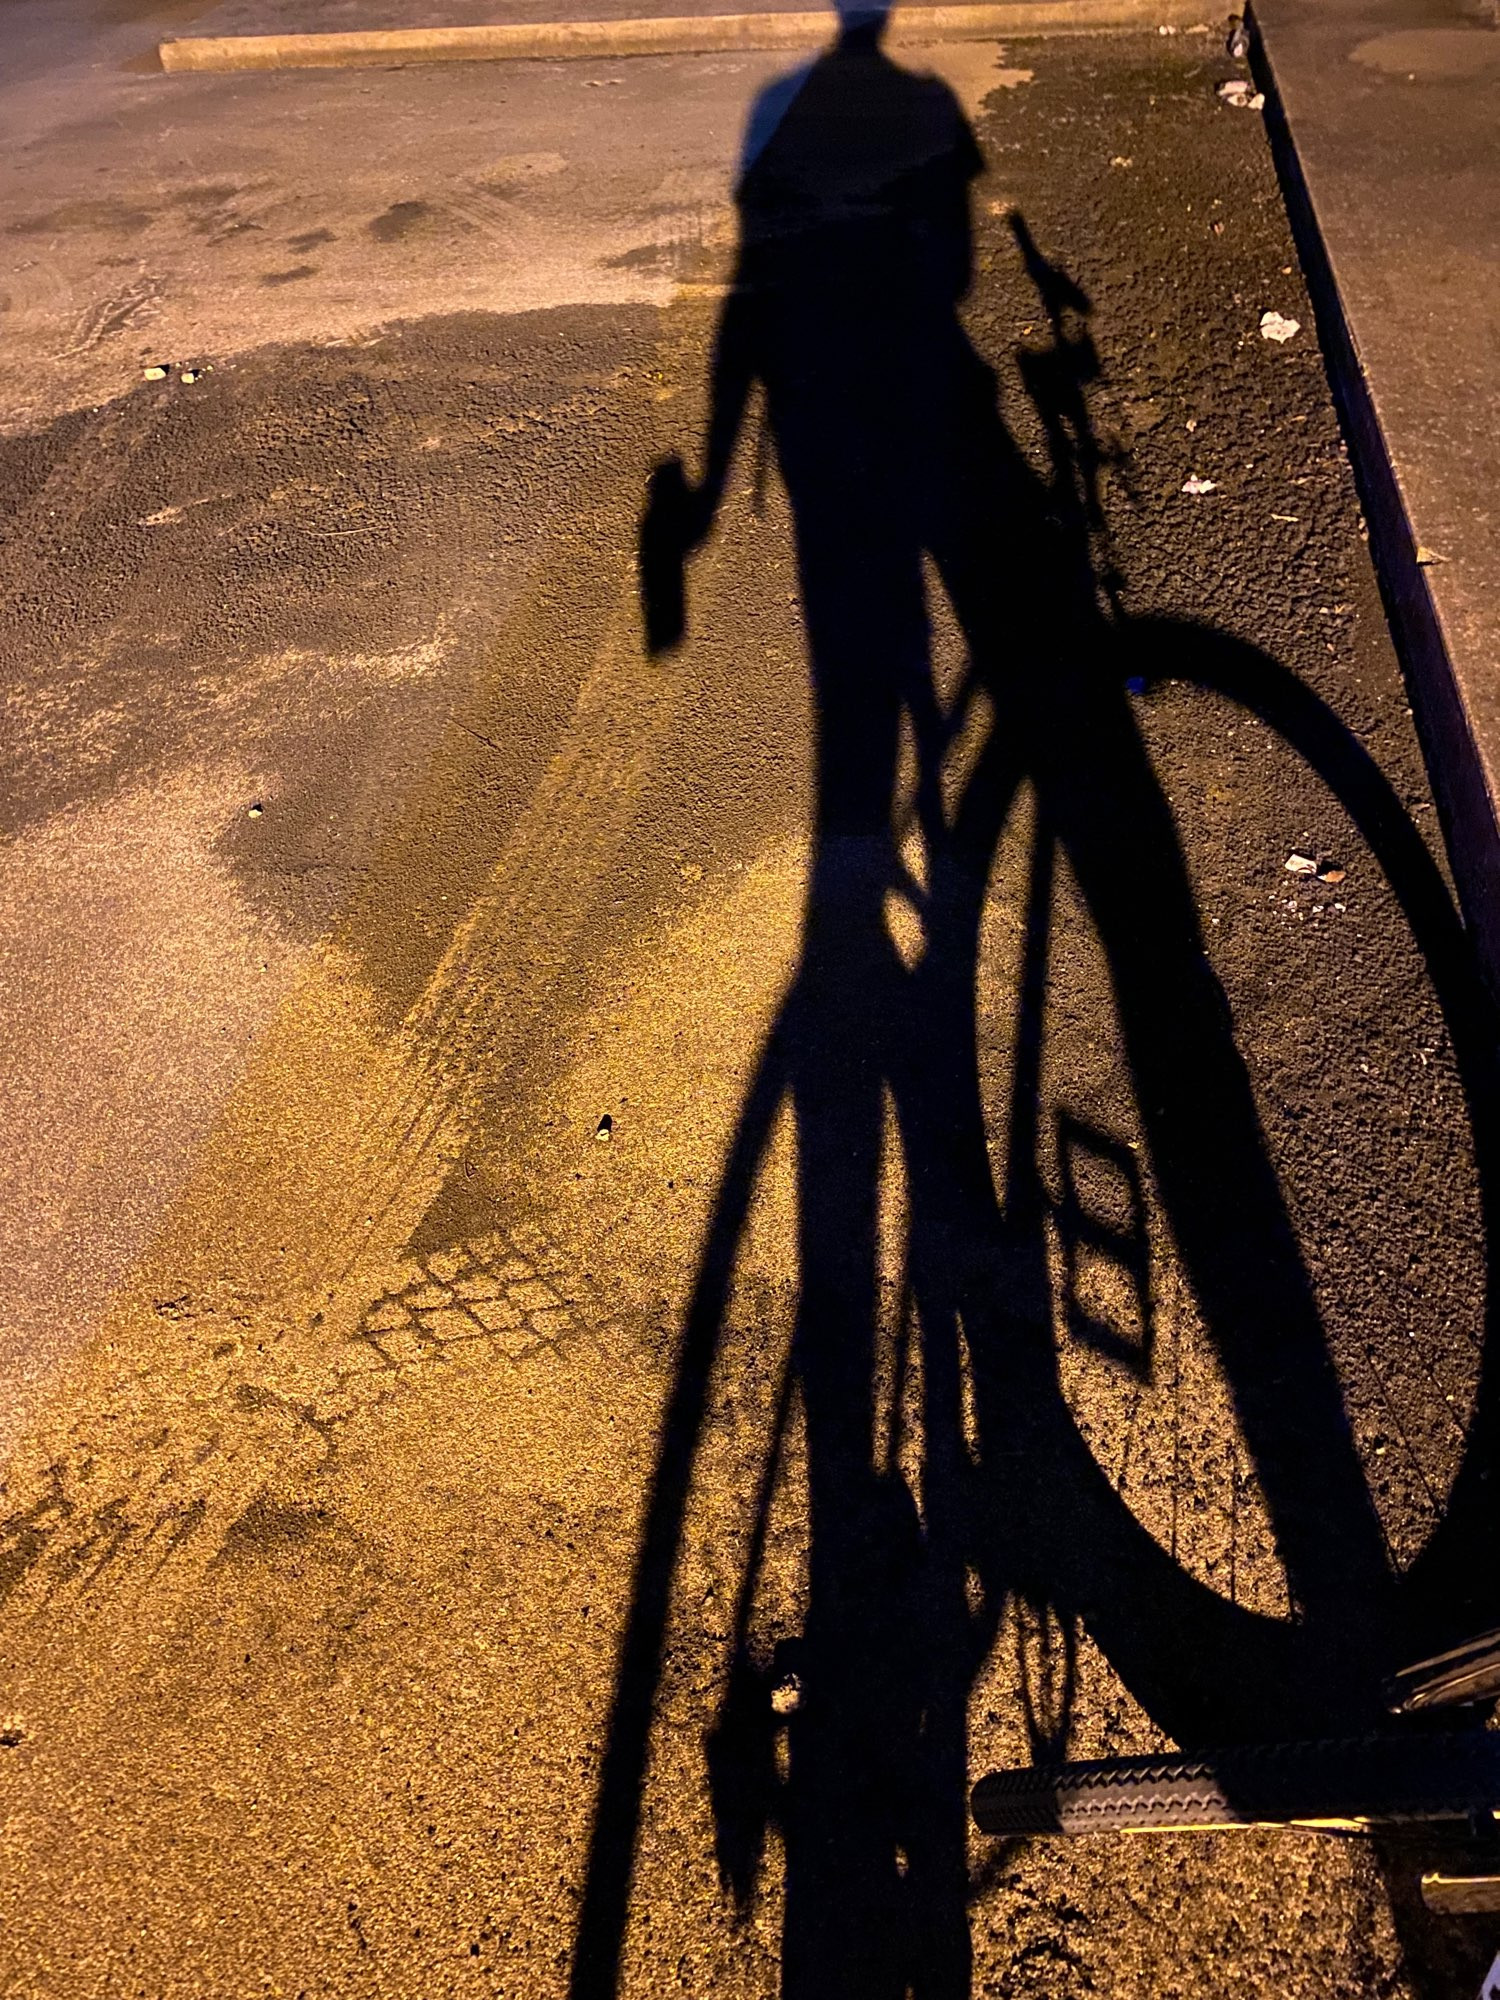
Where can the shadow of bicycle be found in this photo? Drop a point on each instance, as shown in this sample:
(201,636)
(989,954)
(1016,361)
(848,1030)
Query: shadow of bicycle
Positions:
(949,1484)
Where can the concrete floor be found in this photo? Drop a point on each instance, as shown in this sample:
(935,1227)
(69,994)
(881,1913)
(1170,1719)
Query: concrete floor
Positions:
(361,862)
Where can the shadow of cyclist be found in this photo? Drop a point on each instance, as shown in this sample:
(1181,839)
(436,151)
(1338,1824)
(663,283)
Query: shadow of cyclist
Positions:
(855,252)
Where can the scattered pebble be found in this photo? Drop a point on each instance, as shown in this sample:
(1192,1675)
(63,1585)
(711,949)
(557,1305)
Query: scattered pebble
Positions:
(604,1130)
(1275,326)
(1427,557)
(786,1696)
(1331,873)
(1238,41)
(1243,96)
(1122,160)
(157,372)
(1300,864)
(189,375)
(256,810)
(1194,485)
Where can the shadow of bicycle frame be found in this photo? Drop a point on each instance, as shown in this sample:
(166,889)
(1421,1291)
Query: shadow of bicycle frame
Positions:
(897,463)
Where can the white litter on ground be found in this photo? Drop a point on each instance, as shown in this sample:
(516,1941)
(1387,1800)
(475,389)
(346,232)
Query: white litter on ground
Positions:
(1274,326)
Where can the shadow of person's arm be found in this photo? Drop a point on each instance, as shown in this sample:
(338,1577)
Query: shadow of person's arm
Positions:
(678,516)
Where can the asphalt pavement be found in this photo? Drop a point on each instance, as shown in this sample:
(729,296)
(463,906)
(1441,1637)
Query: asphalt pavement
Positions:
(634,1266)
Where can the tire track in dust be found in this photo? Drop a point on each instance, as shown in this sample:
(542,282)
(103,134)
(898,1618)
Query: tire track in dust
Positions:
(115,313)
(227,1361)
(234,1356)
(479,1008)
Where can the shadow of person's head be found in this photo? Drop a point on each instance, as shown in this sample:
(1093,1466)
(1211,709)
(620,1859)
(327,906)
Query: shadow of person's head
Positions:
(860,21)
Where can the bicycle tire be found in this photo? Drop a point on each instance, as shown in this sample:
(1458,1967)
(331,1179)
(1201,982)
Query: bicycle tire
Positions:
(1353,1782)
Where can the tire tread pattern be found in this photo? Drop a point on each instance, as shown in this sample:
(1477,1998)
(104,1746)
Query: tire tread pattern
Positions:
(1386,1778)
